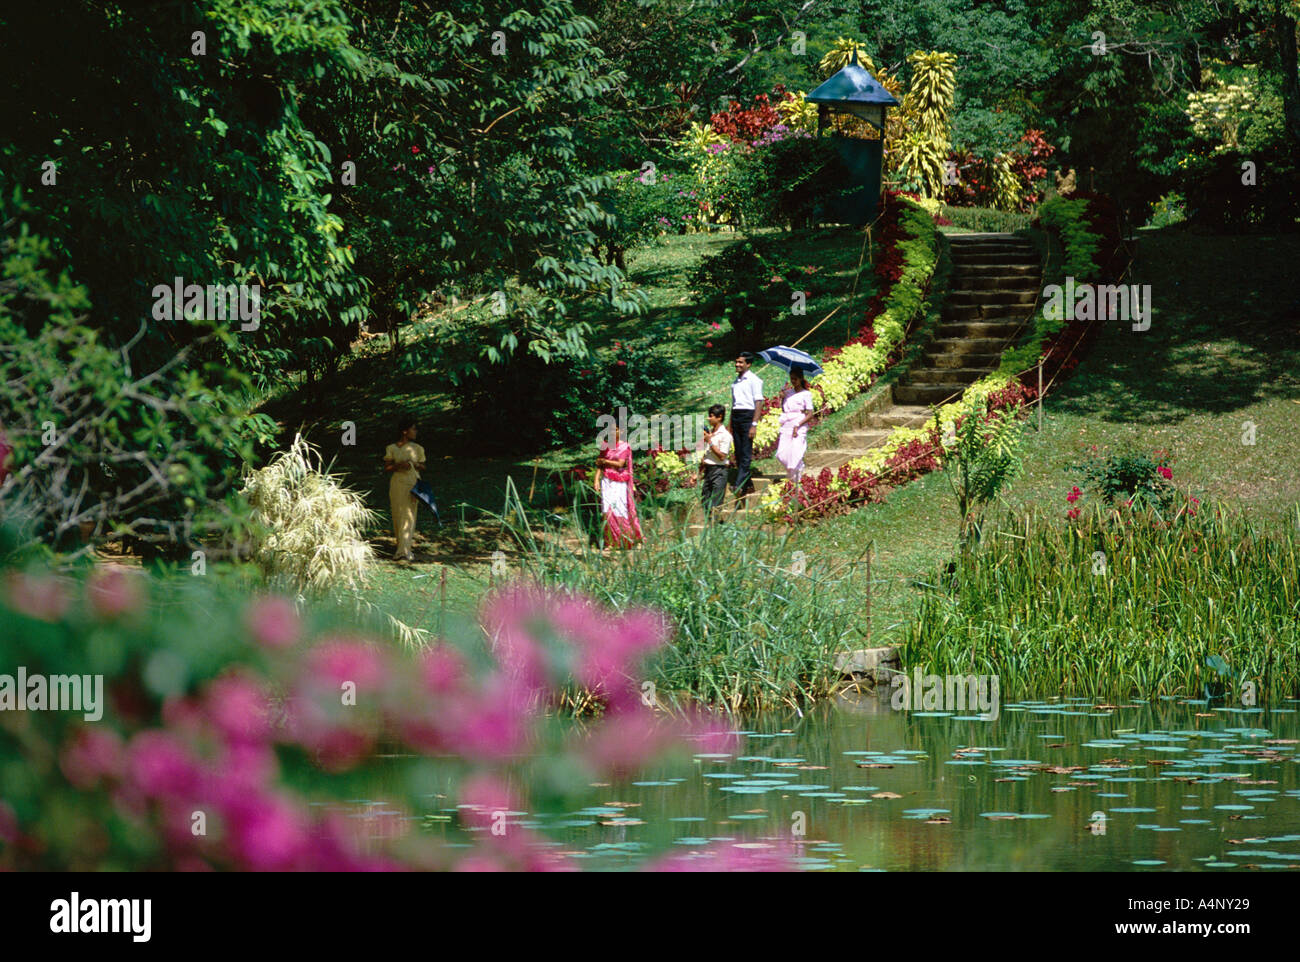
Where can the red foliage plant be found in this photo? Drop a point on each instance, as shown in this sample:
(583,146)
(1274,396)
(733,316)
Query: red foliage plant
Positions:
(745,124)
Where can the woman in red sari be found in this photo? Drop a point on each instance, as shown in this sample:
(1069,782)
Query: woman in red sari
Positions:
(617,494)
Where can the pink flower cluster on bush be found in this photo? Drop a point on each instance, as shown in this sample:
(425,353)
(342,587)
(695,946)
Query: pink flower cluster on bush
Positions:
(218,754)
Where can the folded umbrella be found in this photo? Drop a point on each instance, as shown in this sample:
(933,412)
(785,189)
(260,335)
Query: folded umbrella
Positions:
(424,492)
(791,359)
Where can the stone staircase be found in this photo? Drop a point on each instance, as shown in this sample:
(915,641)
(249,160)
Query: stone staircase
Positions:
(994,285)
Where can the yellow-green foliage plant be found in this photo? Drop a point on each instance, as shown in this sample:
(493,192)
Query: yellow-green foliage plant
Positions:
(797,113)
(928,109)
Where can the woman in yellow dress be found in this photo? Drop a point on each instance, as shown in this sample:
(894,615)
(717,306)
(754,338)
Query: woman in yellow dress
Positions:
(405,460)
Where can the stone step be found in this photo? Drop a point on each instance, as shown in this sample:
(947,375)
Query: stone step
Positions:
(962,258)
(984,312)
(1003,282)
(1002,295)
(1003,327)
(829,458)
(928,393)
(861,440)
(964,254)
(901,416)
(993,268)
(945,375)
(967,345)
(985,359)
(986,236)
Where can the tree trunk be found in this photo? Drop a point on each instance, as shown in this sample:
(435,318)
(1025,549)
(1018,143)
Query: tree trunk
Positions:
(1285,28)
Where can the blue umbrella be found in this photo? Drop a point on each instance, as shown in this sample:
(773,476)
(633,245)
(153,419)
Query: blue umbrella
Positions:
(791,359)
(423,491)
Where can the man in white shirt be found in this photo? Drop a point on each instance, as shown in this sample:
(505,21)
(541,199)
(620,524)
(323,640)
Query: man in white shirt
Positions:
(746,401)
(717,455)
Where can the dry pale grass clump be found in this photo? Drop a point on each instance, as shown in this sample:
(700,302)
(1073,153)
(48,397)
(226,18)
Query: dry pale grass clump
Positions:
(307,528)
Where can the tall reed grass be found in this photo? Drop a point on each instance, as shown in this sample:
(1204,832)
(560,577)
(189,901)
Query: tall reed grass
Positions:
(750,632)
(1195,605)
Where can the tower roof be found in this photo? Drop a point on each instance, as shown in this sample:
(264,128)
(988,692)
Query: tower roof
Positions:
(853,84)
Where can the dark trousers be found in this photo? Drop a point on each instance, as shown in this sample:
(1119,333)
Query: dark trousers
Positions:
(713,487)
(741,421)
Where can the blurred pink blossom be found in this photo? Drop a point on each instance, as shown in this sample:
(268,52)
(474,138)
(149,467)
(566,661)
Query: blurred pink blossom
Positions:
(91,754)
(337,661)
(41,597)
(273,622)
(159,765)
(238,707)
(267,833)
(113,592)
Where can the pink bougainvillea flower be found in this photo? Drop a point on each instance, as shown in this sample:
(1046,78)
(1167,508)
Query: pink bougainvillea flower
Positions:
(113,592)
(91,754)
(1165,472)
(716,326)
(443,669)
(37,596)
(495,722)
(240,769)
(510,617)
(238,707)
(267,834)
(273,622)
(159,765)
(627,742)
(341,660)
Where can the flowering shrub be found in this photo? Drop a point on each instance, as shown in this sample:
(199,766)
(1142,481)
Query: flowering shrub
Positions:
(746,125)
(644,204)
(906,454)
(760,165)
(671,469)
(1128,478)
(234,738)
(1022,170)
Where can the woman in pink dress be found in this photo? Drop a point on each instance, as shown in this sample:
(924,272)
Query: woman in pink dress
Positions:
(796,412)
(617,495)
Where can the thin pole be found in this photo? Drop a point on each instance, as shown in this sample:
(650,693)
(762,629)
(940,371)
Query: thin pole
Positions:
(442,611)
(868,591)
(1040,394)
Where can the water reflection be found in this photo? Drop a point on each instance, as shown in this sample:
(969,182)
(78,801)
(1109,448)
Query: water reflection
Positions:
(1048,785)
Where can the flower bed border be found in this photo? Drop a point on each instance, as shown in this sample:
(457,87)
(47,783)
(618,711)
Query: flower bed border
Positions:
(909,453)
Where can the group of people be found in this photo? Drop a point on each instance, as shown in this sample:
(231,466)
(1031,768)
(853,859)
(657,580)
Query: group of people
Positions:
(722,448)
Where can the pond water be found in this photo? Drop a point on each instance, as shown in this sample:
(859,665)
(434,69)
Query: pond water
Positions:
(1060,785)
